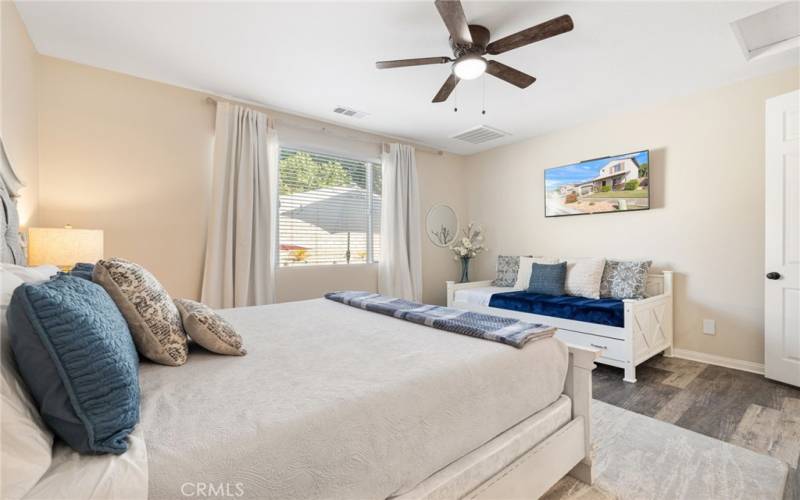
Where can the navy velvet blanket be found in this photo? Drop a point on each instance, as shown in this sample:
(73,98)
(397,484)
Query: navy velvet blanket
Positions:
(485,326)
(609,312)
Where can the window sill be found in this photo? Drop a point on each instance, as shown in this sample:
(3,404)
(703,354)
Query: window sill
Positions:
(329,266)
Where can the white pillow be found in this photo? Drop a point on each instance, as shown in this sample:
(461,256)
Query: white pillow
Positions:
(8,283)
(584,276)
(27,443)
(28,274)
(525,267)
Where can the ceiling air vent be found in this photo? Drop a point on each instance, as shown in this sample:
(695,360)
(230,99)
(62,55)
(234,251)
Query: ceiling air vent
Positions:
(341,110)
(480,134)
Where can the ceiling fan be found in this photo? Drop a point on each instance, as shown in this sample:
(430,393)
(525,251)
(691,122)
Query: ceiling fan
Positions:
(470,42)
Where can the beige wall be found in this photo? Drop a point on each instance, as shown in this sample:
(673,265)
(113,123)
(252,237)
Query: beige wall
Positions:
(133,157)
(707,216)
(441,180)
(18,106)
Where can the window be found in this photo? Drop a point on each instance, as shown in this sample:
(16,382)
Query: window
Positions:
(330,209)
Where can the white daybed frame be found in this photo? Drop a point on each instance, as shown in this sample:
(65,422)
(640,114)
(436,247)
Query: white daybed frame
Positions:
(566,451)
(647,330)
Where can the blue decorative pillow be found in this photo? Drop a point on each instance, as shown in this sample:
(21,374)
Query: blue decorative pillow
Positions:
(548,279)
(82,270)
(76,355)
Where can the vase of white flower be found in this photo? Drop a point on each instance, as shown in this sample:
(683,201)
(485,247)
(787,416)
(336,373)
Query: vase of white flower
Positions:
(465,269)
(469,247)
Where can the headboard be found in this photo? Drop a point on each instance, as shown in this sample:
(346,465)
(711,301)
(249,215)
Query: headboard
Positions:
(11,246)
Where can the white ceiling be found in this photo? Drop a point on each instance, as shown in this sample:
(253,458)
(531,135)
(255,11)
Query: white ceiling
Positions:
(307,58)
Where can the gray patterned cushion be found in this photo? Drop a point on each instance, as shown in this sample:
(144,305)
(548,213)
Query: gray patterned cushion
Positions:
(507,269)
(624,279)
(152,317)
(209,329)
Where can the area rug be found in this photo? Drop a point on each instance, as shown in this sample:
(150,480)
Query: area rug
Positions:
(638,457)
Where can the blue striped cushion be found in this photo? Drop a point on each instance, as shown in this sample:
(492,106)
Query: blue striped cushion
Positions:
(76,355)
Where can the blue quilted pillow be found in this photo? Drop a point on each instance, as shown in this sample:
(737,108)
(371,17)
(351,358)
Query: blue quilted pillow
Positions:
(82,270)
(75,353)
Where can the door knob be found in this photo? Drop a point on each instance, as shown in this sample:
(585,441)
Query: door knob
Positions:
(773,276)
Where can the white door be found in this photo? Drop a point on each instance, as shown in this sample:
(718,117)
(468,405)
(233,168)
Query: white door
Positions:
(782,280)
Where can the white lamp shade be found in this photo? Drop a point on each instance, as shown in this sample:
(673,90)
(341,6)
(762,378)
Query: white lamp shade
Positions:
(64,247)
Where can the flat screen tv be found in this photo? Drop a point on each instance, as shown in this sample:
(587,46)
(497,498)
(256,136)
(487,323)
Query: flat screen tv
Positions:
(611,184)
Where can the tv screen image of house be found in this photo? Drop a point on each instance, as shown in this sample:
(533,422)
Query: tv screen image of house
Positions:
(611,184)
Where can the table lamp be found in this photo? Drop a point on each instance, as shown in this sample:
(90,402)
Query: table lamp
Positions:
(64,247)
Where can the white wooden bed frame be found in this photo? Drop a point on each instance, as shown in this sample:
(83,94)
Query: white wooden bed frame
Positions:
(647,330)
(567,451)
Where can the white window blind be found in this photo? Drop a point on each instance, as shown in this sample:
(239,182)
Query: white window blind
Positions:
(330,209)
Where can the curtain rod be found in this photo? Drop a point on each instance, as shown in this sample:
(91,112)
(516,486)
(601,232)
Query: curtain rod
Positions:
(327,131)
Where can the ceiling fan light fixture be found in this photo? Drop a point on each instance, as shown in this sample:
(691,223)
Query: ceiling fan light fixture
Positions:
(469,67)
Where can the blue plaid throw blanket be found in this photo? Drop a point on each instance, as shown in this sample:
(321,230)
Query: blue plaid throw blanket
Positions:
(484,326)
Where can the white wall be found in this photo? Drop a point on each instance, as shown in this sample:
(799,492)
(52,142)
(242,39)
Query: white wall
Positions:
(707,216)
(133,157)
(18,106)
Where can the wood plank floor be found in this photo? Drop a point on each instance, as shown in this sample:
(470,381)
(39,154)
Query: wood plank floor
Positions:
(741,408)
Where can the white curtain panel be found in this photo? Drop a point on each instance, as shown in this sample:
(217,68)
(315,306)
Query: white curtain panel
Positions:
(400,267)
(7,173)
(241,243)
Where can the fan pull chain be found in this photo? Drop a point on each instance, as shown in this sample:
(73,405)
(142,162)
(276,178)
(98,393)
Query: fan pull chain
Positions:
(455,100)
(483,103)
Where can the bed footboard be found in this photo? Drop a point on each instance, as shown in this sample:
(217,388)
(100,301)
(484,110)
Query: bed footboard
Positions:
(579,388)
(567,451)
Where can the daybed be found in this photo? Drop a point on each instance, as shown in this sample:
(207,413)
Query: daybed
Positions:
(629,331)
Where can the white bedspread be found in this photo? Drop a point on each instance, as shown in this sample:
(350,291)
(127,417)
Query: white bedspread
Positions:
(481,295)
(335,402)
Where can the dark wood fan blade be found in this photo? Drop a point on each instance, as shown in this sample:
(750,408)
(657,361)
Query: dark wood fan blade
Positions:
(446,89)
(553,27)
(509,74)
(453,16)
(400,63)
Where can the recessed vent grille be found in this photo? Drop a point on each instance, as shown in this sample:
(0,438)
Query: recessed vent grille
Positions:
(770,31)
(341,110)
(480,134)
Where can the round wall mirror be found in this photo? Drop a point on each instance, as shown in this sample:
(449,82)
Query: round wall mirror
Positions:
(441,224)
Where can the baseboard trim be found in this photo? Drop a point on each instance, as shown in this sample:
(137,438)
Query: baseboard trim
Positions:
(712,359)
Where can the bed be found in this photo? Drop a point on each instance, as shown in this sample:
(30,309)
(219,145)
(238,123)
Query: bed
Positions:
(337,402)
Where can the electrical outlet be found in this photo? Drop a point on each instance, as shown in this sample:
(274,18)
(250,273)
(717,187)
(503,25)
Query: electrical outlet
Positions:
(709,327)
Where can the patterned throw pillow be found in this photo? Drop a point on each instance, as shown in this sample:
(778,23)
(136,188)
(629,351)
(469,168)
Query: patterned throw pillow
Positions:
(625,279)
(584,276)
(209,329)
(152,317)
(548,279)
(507,269)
